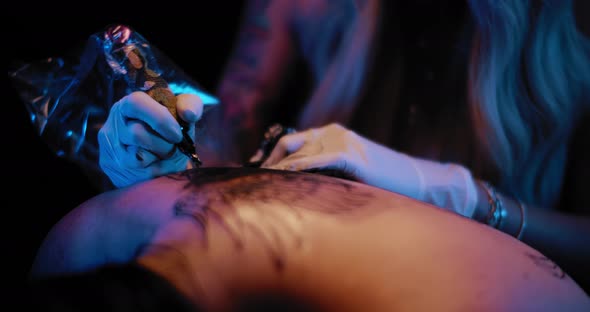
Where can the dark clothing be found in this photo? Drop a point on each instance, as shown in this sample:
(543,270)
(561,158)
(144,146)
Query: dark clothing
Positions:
(125,287)
(417,82)
(130,287)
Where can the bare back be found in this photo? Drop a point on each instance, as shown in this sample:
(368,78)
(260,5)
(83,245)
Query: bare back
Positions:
(223,234)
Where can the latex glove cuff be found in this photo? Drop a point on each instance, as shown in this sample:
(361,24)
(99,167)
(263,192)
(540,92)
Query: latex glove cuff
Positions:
(450,186)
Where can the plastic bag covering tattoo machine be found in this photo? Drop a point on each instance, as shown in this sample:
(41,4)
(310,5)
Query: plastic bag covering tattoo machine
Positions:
(69,99)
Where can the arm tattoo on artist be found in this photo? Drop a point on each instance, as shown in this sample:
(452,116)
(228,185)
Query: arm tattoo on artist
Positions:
(242,75)
(215,193)
(546,264)
(244,62)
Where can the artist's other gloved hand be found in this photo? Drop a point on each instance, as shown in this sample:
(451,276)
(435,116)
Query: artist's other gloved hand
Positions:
(137,141)
(334,147)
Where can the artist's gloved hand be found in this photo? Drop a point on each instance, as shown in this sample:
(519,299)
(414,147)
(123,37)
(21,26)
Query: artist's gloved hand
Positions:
(334,147)
(137,141)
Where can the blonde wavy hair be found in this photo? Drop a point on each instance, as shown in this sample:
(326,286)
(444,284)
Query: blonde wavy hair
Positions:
(529,74)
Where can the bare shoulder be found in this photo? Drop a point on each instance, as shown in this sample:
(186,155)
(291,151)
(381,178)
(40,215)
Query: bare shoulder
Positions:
(113,226)
(62,249)
(322,237)
(107,228)
(313,235)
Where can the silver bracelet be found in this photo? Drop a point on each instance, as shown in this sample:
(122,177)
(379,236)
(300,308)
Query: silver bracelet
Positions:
(496,212)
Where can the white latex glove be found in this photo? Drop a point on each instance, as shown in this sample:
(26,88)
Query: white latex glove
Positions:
(136,143)
(448,186)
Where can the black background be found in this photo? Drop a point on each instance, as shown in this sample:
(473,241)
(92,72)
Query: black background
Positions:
(38,187)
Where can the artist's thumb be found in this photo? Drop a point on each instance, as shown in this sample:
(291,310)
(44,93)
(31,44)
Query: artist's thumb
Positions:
(189,107)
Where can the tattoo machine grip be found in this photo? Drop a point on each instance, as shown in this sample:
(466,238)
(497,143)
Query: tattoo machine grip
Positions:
(161,93)
(142,78)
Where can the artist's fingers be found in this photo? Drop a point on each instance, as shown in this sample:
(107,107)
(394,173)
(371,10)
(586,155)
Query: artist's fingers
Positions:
(257,156)
(317,161)
(139,105)
(189,107)
(286,145)
(136,157)
(177,162)
(138,134)
(114,151)
(124,176)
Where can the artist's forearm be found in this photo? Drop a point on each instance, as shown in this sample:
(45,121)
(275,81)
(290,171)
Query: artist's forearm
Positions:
(241,120)
(564,238)
(241,103)
(257,65)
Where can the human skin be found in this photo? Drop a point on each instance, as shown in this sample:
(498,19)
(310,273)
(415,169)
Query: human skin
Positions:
(222,235)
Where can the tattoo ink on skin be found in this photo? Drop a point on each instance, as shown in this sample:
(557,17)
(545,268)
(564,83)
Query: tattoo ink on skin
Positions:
(546,264)
(215,193)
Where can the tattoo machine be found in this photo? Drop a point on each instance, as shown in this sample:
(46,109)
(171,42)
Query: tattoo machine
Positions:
(129,58)
(69,97)
(271,137)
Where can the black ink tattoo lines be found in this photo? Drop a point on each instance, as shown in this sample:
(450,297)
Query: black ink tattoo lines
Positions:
(546,264)
(216,192)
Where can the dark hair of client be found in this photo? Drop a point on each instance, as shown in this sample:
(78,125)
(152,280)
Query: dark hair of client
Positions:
(125,288)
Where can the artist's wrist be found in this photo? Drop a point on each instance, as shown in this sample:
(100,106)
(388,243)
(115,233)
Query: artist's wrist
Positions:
(498,211)
(511,221)
(482,207)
